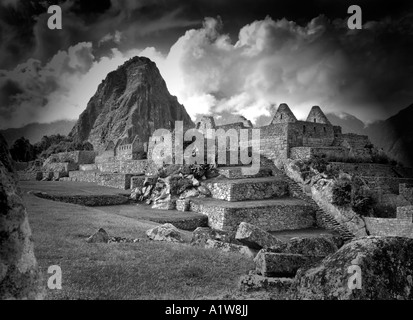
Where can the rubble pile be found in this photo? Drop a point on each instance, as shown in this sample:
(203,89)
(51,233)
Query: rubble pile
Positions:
(174,182)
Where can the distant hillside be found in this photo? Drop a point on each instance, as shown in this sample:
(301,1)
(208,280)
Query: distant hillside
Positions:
(35,131)
(394,135)
(347,122)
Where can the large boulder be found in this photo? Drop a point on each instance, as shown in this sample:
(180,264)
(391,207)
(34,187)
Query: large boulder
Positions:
(255,237)
(166,232)
(272,264)
(19,274)
(311,246)
(230,247)
(101,236)
(375,268)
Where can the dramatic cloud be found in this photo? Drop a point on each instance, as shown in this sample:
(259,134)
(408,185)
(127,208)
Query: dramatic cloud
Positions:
(322,62)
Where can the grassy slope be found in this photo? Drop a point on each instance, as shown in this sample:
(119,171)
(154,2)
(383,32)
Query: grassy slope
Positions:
(145,270)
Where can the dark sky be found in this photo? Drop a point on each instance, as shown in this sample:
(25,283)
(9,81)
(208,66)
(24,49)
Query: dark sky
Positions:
(367,73)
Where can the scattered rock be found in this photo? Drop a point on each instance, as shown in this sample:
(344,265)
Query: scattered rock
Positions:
(204,190)
(202,234)
(101,236)
(166,232)
(255,237)
(150,181)
(230,247)
(165,204)
(189,193)
(183,204)
(385,263)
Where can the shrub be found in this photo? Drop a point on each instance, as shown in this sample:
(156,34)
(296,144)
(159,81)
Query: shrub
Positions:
(342,193)
(354,193)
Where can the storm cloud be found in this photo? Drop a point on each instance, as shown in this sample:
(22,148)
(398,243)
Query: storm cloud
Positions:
(243,61)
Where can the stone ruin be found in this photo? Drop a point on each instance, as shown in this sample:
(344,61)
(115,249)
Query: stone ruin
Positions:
(245,213)
(128,162)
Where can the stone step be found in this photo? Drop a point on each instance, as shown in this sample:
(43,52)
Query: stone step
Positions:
(237,173)
(269,215)
(114,180)
(254,283)
(271,264)
(247,189)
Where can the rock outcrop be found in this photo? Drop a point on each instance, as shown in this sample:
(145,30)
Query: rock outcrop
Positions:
(19,275)
(132,101)
(166,232)
(385,266)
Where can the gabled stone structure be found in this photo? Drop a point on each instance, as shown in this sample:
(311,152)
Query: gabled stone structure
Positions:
(316,115)
(283,115)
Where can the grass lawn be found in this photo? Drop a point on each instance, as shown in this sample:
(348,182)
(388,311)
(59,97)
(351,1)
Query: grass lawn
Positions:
(143,270)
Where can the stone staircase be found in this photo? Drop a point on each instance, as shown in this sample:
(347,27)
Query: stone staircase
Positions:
(324,219)
(263,199)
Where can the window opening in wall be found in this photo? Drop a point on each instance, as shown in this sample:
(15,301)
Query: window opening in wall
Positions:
(315,129)
(281,116)
(315,120)
(324,129)
(303,129)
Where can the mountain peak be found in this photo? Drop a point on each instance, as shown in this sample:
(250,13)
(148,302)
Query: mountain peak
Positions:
(133,101)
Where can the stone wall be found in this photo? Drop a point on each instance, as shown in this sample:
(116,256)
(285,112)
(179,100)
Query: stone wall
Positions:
(269,218)
(129,166)
(370,169)
(30,176)
(115,180)
(60,167)
(309,152)
(307,134)
(406,190)
(105,156)
(386,184)
(252,190)
(401,226)
(78,157)
(88,167)
(405,212)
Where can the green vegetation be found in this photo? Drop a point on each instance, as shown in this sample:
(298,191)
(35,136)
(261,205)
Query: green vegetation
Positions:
(143,270)
(352,191)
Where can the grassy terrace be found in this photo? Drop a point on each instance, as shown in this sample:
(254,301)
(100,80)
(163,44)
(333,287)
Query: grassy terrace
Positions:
(144,270)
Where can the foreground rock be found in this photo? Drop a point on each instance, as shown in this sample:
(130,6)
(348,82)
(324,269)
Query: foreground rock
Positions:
(386,265)
(19,275)
(311,246)
(166,232)
(254,282)
(202,234)
(272,264)
(101,236)
(230,247)
(254,237)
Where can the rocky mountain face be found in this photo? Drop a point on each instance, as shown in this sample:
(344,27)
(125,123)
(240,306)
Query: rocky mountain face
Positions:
(19,273)
(132,101)
(394,135)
